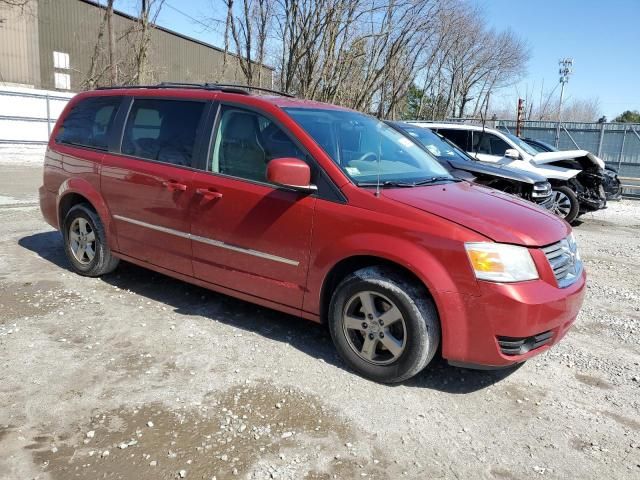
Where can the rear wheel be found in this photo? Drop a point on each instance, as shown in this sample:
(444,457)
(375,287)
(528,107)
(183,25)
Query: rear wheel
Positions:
(565,203)
(383,325)
(86,243)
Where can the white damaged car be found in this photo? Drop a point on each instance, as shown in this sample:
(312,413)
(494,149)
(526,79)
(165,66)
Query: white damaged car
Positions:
(576,176)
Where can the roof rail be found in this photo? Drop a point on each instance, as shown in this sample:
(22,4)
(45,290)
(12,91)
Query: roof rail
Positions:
(223,87)
(251,87)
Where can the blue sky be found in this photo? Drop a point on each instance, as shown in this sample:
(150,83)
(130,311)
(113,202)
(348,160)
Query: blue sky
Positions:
(601,37)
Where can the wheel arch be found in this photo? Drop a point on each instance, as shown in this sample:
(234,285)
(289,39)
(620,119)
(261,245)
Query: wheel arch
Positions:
(75,191)
(353,263)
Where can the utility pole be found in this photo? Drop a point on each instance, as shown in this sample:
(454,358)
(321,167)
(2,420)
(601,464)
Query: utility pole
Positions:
(519,116)
(565,70)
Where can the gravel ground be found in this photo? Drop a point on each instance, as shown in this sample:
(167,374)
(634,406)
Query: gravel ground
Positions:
(136,375)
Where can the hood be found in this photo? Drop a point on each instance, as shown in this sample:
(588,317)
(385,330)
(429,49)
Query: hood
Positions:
(498,170)
(501,217)
(549,157)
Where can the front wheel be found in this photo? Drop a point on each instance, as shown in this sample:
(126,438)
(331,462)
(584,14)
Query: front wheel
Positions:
(383,325)
(565,203)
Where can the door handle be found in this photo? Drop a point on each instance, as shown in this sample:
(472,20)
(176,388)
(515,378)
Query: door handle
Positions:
(208,194)
(173,185)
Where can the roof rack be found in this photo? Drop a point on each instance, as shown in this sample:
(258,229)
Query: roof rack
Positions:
(250,87)
(222,87)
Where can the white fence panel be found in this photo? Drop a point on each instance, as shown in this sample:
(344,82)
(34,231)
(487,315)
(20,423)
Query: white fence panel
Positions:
(27,115)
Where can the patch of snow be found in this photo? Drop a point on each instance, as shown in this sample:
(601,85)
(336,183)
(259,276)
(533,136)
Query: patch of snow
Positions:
(17,154)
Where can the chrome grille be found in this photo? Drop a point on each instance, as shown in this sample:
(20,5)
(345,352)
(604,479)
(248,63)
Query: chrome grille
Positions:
(564,260)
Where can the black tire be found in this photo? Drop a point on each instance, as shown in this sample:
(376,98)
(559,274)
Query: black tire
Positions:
(420,323)
(103,261)
(573,211)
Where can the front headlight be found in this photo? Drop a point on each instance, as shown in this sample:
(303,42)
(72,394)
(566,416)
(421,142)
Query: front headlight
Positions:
(541,190)
(573,245)
(499,262)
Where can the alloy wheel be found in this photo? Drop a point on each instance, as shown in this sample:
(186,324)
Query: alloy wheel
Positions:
(82,241)
(374,328)
(561,204)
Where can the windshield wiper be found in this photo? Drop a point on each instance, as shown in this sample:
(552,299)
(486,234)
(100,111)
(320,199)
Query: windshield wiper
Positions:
(387,183)
(427,181)
(393,183)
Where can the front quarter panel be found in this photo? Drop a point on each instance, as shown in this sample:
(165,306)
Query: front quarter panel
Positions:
(430,247)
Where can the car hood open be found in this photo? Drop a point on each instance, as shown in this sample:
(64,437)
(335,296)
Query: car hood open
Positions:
(497,170)
(494,214)
(549,157)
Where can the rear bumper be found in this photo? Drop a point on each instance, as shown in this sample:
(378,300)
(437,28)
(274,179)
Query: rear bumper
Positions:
(508,323)
(48,206)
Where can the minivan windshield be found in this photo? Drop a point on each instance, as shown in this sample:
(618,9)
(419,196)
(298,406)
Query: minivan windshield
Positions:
(437,146)
(366,149)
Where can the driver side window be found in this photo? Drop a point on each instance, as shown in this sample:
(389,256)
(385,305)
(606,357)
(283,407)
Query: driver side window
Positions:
(245,142)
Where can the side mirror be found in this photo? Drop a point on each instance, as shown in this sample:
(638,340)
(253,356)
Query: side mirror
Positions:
(290,172)
(512,153)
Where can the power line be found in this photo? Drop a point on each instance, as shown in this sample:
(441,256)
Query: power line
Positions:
(195,20)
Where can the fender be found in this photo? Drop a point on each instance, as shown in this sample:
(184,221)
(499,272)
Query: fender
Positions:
(548,171)
(431,271)
(554,172)
(442,283)
(82,187)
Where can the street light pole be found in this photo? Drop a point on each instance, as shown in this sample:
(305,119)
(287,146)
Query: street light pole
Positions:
(564,71)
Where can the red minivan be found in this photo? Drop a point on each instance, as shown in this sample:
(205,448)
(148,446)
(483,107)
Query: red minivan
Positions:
(314,210)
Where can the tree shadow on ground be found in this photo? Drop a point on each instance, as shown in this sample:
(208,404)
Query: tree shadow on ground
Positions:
(308,337)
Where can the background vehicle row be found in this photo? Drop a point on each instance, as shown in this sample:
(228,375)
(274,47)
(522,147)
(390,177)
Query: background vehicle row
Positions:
(527,185)
(576,176)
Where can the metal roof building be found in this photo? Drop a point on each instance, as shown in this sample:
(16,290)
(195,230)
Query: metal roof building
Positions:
(50,45)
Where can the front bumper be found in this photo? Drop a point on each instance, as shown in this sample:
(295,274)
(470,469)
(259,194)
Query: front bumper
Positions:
(508,323)
(546,202)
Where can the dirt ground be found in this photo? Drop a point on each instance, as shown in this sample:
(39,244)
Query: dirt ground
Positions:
(136,375)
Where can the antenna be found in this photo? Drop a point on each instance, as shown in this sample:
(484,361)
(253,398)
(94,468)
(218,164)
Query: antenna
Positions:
(481,136)
(379,167)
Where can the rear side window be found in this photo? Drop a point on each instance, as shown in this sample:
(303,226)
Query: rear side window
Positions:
(459,137)
(88,123)
(162,130)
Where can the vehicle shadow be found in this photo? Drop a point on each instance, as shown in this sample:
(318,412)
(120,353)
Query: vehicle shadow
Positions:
(308,337)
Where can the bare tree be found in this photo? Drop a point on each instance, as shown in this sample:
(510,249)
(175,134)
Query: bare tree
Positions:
(249,30)
(582,110)
(149,11)
(113,67)
(93,75)
(368,54)
(14,3)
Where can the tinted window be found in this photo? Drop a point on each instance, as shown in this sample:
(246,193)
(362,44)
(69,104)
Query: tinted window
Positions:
(459,137)
(89,122)
(162,130)
(245,143)
(489,144)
